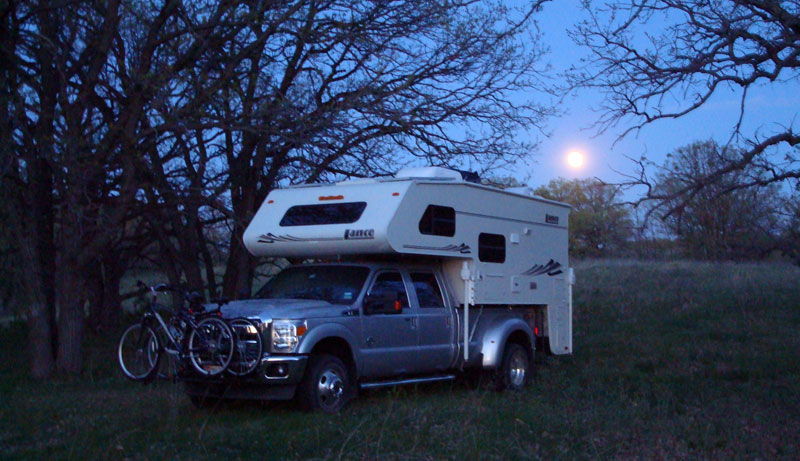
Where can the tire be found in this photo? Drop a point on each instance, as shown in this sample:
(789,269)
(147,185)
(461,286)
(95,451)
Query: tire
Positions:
(326,386)
(516,369)
(139,353)
(211,347)
(248,347)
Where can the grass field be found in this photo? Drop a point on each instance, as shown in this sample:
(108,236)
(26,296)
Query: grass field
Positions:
(672,360)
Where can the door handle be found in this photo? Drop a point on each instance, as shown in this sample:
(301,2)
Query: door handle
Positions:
(412,321)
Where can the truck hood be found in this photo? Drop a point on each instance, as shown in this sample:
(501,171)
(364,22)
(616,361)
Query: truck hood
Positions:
(266,309)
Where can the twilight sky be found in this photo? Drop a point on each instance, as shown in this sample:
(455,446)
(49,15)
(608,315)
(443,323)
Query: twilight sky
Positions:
(766,106)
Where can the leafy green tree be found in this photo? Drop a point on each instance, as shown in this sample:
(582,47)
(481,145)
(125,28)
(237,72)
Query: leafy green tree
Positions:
(599,224)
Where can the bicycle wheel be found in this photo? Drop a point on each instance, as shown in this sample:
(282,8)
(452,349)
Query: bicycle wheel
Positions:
(138,352)
(211,346)
(247,347)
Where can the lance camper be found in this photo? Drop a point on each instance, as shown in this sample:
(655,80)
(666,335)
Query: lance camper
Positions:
(412,278)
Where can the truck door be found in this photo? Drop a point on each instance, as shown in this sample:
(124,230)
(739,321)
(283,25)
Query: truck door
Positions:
(436,339)
(389,339)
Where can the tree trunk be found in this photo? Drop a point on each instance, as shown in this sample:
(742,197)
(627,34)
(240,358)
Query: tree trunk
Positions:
(103,293)
(26,229)
(95,291)
(71,297)
(238,280)
(39,340)
(208,262)
(40,327)
(112,311)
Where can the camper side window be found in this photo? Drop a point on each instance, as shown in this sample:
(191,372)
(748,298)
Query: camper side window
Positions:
(492,248)
(438,220)
(327,213)
(427,288)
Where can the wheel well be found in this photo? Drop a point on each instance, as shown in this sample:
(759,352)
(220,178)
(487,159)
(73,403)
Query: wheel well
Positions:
(341,349)
(519,337)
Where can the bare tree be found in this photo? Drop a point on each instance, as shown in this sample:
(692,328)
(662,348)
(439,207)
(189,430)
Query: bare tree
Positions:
(78,87)
(663,59)
(123,119)
(314,90)
(790,232)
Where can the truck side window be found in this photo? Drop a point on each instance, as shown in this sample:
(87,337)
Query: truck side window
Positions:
(390,282)
(492,248)
(438,220)
(427,288)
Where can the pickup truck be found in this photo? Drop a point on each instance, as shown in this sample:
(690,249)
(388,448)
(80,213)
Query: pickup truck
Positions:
(331,329)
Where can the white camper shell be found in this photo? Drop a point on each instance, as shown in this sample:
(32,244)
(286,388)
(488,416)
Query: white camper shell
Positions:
(497,247)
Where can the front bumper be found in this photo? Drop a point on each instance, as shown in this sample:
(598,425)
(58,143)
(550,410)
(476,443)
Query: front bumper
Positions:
(282,369)
(276,378)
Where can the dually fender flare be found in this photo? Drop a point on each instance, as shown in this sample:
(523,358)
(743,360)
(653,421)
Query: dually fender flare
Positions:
(496,336)
(326,331)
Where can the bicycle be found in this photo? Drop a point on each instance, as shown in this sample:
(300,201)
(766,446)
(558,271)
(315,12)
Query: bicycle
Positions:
(205,341)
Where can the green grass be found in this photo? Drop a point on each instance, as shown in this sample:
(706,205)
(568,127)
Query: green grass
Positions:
(671,360)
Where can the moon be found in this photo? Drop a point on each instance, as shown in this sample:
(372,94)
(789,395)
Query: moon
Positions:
(575,159)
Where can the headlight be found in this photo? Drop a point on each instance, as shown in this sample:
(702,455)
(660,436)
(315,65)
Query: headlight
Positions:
(286,334)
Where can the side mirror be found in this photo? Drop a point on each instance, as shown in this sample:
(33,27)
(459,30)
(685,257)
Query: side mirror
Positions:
(382,303)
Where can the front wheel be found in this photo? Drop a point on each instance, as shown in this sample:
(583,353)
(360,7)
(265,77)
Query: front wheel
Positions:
(326,385)
(515,370)
(211,346)
(138,353)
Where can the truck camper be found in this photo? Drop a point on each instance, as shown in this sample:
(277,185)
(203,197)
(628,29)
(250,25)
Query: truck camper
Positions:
(414,278)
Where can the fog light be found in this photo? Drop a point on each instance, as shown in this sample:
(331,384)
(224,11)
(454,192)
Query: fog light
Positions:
(277,370)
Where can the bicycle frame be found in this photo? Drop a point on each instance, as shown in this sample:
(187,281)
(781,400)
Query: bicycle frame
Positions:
(153,313)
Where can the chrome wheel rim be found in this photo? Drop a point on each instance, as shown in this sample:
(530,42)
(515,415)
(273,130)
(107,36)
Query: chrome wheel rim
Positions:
(517,369)
(330,388)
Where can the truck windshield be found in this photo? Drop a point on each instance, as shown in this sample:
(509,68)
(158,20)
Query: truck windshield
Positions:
(334,284)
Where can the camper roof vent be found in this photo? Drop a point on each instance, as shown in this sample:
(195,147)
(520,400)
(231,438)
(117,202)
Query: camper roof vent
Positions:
(470,176)
(430,172)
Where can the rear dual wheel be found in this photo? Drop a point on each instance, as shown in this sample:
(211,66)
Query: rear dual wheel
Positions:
(515,370)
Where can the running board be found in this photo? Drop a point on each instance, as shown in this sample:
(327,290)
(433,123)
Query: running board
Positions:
(399,382)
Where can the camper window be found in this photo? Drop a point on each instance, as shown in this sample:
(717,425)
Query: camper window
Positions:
(438,220)
(328,213)
(492,248)
(428,292)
